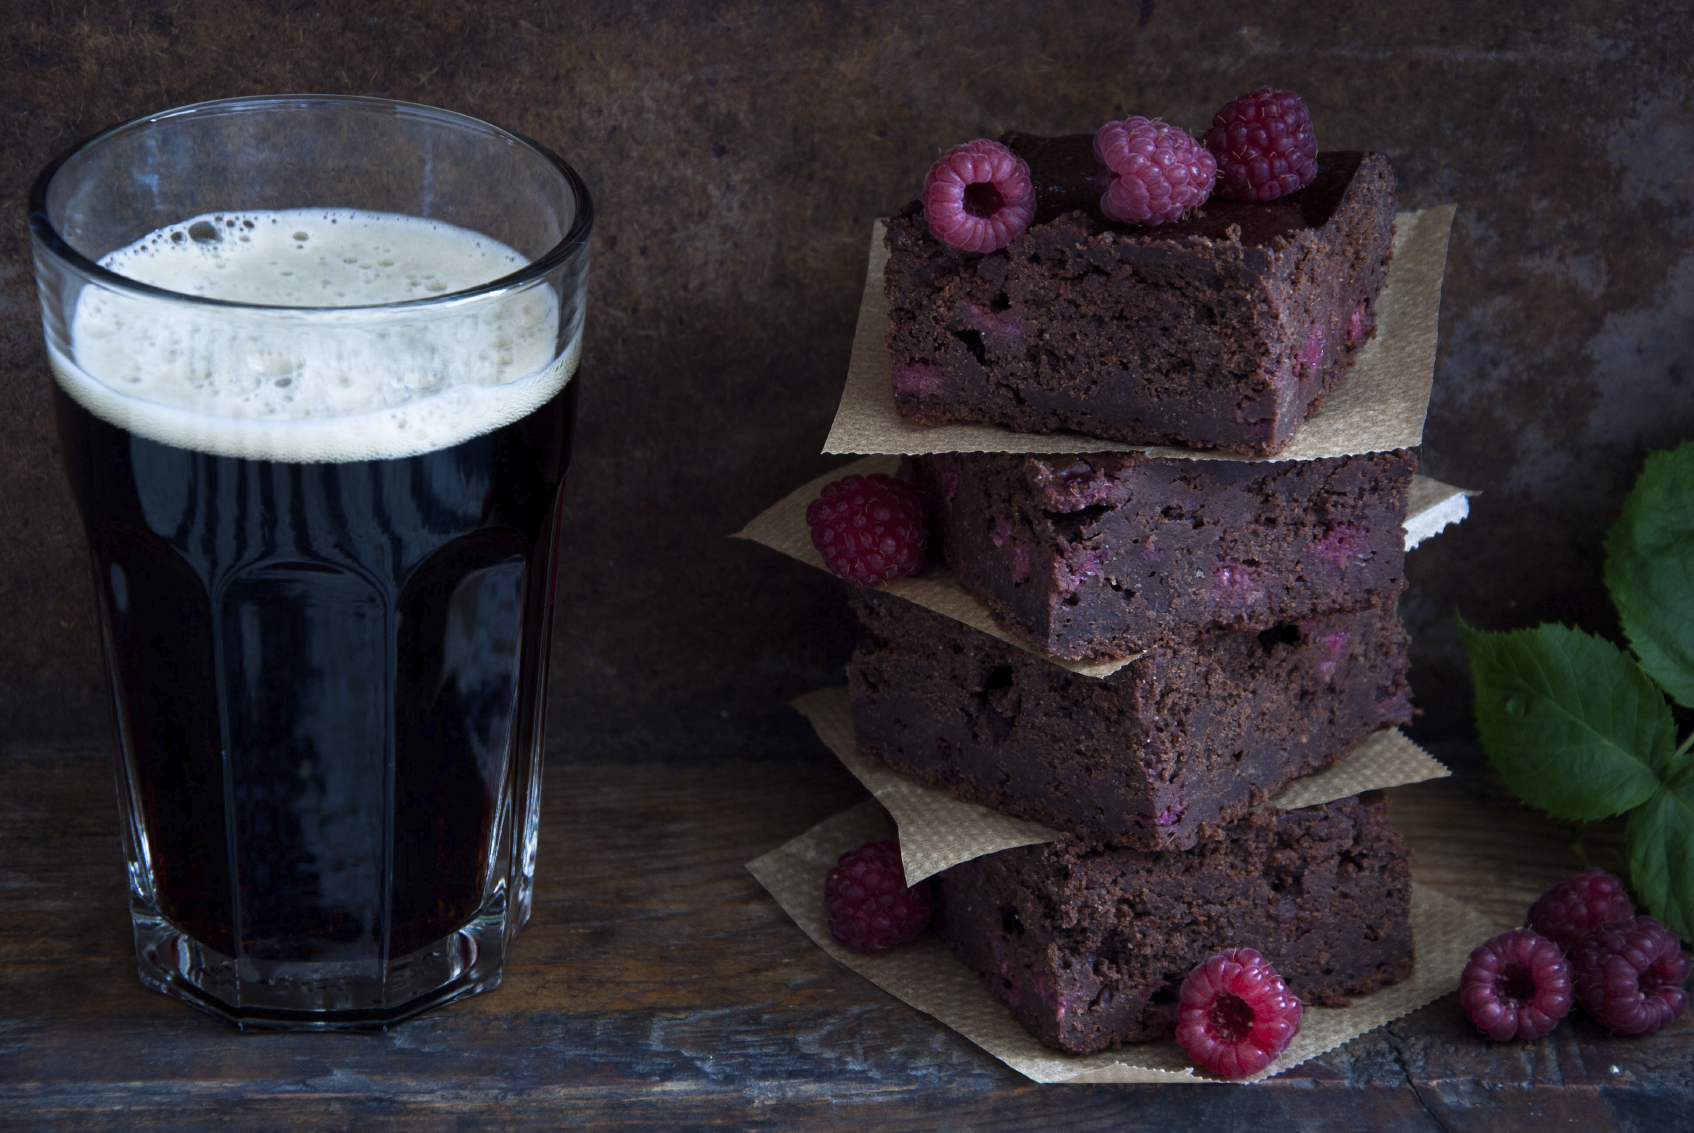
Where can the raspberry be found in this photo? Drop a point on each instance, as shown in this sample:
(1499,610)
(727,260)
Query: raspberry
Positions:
(1264,145)
(1629,975)
(1160,172)
(870,529)
(1516,986)
(978,197)
(1234,1014)
(869,907)
(1586,901)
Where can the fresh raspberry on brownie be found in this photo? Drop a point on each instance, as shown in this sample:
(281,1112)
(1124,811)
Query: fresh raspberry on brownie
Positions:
(1159,172)
(978,197)
(1264,146)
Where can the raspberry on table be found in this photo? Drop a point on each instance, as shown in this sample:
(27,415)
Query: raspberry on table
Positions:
(1264,146)
(870,529)
(1234,1014)
(1516,986)
(978,197)
(869,906)
(1629,975)
(1586,901)
(1160,172)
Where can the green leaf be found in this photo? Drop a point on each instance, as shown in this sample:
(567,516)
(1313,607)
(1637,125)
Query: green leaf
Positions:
(1650,569)
(1571,723)
(1659,838)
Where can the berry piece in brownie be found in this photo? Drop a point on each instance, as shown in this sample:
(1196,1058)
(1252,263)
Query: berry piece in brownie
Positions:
(1108,554)
(1516,986)
(1088,947)
(1161,753)
(1224,329)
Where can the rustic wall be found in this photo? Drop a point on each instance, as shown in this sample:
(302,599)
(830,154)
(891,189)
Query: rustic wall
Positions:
(738,152)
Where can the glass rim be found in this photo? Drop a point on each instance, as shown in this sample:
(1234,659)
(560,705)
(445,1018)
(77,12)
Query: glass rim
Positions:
(574,239)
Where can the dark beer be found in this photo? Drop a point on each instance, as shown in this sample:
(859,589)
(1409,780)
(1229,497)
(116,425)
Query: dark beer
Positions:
(314,362)
(322,674)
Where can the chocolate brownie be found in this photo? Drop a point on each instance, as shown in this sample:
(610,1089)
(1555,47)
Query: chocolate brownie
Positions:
(1088,947)
(1108,554)
(1160,754)
(1222,330)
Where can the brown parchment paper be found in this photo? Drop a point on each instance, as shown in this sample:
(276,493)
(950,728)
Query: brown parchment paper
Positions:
(938,831)
(927,976)
(1379,404)
(782,527)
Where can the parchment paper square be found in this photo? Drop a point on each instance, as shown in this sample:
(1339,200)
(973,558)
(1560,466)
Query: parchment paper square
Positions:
(938,831)
(782,527)
(928,976)
(1379,403)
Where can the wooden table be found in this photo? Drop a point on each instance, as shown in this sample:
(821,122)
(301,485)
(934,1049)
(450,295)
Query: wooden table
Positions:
(658,987)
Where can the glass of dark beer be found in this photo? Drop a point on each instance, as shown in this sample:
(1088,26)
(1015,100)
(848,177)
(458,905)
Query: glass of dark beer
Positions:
(315,373)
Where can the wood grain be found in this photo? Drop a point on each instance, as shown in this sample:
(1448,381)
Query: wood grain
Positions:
(659,987)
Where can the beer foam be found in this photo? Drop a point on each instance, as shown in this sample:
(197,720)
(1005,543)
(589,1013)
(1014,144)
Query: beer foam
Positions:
(313,369)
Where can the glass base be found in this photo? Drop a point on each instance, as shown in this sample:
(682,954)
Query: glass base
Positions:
(356,995)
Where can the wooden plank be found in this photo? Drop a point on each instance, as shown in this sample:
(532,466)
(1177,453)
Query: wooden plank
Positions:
(658,986)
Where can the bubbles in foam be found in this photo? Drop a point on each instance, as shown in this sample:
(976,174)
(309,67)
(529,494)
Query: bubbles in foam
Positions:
(345,381)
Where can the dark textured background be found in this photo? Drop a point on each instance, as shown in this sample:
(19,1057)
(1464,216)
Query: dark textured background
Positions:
(738,152)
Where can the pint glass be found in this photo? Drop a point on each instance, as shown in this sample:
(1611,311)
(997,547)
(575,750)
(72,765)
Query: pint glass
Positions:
(314,367)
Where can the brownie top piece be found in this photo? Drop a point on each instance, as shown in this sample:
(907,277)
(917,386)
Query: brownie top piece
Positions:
(1224,330)
(1069,178)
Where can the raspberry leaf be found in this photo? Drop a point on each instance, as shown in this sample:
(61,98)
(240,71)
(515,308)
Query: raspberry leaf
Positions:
(1571,723)
(1659,839)
(1650,569)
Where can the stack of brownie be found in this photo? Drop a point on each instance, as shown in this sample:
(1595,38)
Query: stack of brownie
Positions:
(1251,602)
